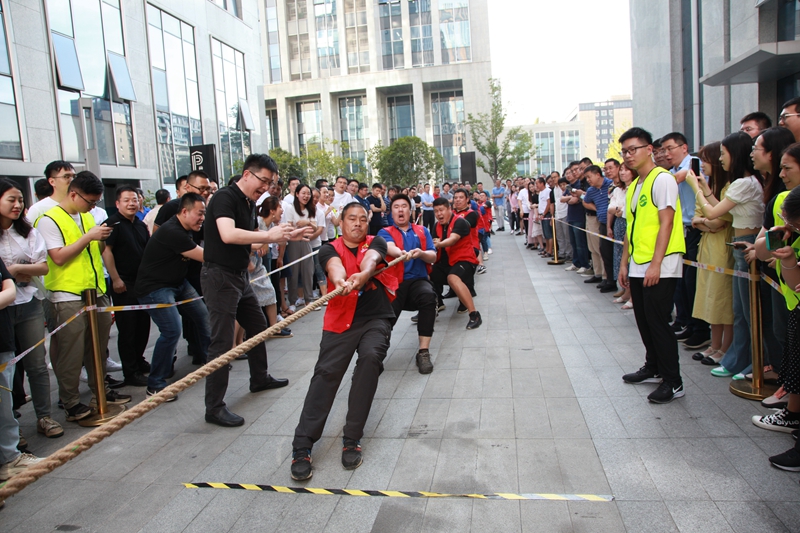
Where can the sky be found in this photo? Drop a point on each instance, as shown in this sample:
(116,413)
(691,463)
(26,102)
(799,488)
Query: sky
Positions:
(552,55)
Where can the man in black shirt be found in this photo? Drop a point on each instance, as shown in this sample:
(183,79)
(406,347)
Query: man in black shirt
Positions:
(378,208)
(162,279)
(359,319)
(229,240)
(122,255)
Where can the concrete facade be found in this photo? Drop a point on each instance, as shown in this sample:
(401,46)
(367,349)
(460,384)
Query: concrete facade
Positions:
(603,122)
(555,144)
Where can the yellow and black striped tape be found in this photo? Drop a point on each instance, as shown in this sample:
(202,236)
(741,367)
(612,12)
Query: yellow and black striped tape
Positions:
(401,493)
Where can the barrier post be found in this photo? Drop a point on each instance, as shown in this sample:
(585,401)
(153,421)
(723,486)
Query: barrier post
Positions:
(755,390)
(104,412)
(555,260)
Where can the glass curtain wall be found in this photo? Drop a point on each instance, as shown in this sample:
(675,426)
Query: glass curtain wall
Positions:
(353,121)
(174,71)
(419,13)
(299,46)
(454,31)
(10,147)
(309,124)
(231,96)
(327,38)
(570,147)
(545,145)
(273,140)
(401,117)
(447,112)
(272,39)
(391,25)
(90,62)
(356,35)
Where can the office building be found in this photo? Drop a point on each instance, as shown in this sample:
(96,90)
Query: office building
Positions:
(603,122)
(555,144)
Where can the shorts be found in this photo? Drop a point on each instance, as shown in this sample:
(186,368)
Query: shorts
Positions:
(464,270)
(547,229)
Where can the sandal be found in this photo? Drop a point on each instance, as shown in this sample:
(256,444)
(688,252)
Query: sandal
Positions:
(628,305)
(619,300)
(286,311)
(699,356)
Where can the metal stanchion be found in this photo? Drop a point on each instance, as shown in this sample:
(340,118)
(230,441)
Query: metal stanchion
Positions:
(555,260)
(755,390)
(104,412)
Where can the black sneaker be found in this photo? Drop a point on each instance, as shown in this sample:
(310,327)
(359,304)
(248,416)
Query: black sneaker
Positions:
(153,392)
(114,383)
(677,328)
(643,375)
(474,320)
(351,454)
(301,464)
(462,308)
(77,412)
(697,341)
(284,333)
(450,294)
(415,318)
(610,287)
(684,335)
(424,362)
(593,279)
(795,433)
(665,393)
(480,270)
(144,367)
(788,460)
(113,397)
(778,421)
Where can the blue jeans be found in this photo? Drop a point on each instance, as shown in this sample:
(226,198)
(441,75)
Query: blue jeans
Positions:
(580,249)
(9,427)
(168,321)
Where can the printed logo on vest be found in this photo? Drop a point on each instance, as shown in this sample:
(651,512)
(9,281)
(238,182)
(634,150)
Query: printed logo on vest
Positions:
(642,200)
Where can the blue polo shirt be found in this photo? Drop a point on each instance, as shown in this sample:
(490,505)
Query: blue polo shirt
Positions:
(365,203)
(685,192)
(414,269)
(428,198)
(599,197)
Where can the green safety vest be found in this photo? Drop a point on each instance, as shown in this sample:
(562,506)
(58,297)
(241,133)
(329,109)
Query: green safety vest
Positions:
(643,224)
(791,297)
(84,271)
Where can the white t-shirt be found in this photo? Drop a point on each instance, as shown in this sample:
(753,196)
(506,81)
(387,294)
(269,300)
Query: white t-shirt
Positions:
(18,250)
(544,196)
(747,194)
(664,194)
(261,199)
(522,198)
(617,200)
(319,215)
(288,202)
(53,239)
(561,207)
(40,208)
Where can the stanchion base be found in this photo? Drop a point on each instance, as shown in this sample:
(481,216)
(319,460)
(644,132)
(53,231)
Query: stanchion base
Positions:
(745,389)
(97,419)
(556,262)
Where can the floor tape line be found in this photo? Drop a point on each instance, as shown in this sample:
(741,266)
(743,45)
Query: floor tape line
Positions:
(401,493)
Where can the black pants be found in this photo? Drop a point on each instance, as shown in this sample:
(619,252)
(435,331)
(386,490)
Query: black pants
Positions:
(371,339)
(429,220)
(464,270)
(230,299)
(134,331)
(652,307)
(417,295)
(190,332)
(607,254)
(687,286)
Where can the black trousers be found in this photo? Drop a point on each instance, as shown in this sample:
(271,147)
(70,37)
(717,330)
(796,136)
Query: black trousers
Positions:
(687,286)
(607,254)
(190,332)
(134,331)
(230,299)
(429,220)
(416,295)
(371,339)
(652,307)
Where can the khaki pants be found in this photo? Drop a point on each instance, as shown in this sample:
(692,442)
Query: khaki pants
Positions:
(75,347)
(594,245)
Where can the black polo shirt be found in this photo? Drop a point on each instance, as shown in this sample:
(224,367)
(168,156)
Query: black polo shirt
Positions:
(127,242)
(163,263)
(229,202)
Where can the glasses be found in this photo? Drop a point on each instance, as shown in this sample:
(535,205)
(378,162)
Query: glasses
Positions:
(671,148)
(758,149)
(783,117)
(790,225)
(201,189)
(259,178)
(631,150)
(748,129)
(68,177)
(91,204)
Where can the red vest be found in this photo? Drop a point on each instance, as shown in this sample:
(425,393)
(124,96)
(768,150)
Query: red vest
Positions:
(460,251)
(473,232)
(400,268)
(340,311)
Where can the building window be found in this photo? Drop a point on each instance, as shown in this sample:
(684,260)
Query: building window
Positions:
(353,122)
(274,49)
(454,31)
(570,147)
(299,46)
(391,21)
(401,117)
(356,34)
(327,37)
(273,140)
(233,114)
(447,112)
(10,147)
(90,63)
(419,14)
(545,144)
(174,71)
(309,124)
(231,6)
(603,113)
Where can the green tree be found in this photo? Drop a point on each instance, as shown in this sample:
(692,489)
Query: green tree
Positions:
(289,165)
(406,162)
(614,147)
(321,162)
(500,152)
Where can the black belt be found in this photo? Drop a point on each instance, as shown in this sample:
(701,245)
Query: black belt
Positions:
(228,269)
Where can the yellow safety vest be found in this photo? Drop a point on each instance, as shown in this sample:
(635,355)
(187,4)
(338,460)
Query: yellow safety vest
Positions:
(791,297)
(643,224)
(84,271)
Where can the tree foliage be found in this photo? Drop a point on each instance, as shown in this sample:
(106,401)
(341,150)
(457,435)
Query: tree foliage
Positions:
(406,162)
(289,165)
(614,147)
(500,152)
(321,162)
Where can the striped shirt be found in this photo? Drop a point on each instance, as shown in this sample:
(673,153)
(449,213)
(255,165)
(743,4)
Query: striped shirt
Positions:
(599,197)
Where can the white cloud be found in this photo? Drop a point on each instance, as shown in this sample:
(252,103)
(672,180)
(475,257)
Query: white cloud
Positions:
(552,55)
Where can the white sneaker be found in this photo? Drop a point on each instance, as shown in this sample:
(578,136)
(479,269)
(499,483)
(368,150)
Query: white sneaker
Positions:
(292,309)
(581,270)
(84,377)
(588,273)
(280,317)
(17,466)
(300,302)
(113,366)
(485,256)
(571,268)
(315,294)
(490,251)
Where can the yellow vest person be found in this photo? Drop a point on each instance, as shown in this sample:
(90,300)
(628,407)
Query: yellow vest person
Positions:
(792,298)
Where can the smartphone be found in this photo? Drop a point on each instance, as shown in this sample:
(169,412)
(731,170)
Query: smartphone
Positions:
(736,244)
(775,239)
(696,166)
(568,190)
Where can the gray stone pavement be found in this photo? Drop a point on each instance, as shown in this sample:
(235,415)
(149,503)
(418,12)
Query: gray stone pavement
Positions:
(530,402)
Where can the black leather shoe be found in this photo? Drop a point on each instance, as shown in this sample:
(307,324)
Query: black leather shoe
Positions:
(610,287)
(225,418)
(144,367)
(271,383)
(113,383)
(593,279)
(136,380)
(450,294)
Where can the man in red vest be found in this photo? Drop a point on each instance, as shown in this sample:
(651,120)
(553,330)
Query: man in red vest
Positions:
(358,320)
(456,261)
(416,291)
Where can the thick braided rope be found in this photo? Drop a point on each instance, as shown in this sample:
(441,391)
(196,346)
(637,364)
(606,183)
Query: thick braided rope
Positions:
(80,445)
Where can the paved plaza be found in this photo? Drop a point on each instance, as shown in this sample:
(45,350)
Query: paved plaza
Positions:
(532,402)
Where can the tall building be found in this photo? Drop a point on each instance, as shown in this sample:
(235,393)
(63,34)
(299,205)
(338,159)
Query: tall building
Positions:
(602,122)
(369,71)
(555,144)
(699,66)
(124,87)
